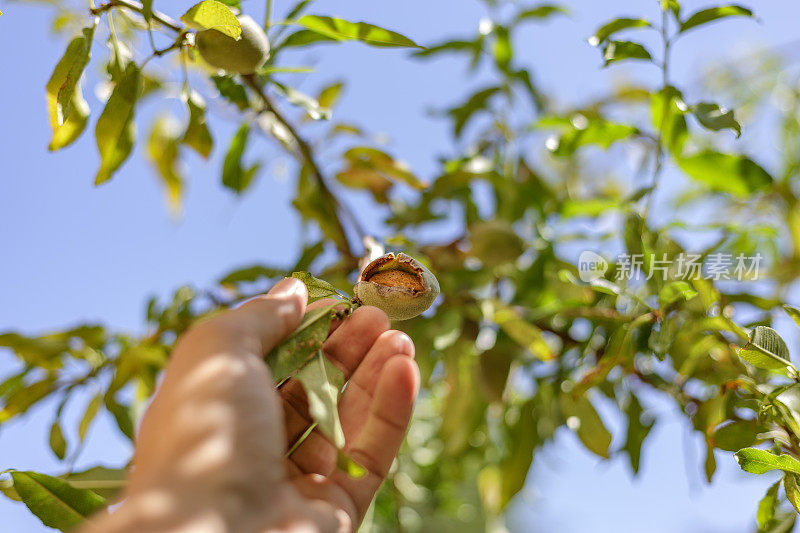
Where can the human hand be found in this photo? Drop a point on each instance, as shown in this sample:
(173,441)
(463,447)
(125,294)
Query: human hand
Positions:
(210,455)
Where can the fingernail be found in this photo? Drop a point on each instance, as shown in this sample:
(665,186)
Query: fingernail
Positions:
(287,287)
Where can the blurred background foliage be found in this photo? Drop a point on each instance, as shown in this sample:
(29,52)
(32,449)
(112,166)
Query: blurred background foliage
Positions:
(517,345)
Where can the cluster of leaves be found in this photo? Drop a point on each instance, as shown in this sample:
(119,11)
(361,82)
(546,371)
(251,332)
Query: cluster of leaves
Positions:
(518,347)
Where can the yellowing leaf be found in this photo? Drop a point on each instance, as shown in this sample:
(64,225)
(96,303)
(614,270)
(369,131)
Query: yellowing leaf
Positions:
(163,150)
(115,131)
(67,110)
(213,15)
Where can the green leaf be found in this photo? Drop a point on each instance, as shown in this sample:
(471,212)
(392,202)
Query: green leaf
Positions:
(64,95)
(103,481)
(503,49)
(524,333)
(302,38)
(715,13)
(616,25)
(364,161)
(674,291)
(714,117)
(250,274)
(583,131)
(791,485)
(163,149)
(346,464)
(22,399)
(123,414)
(213,15)
(54,501)
(730,173)
(317,288)
(621,50)
(57,442)
(464,113)
(757,461)
(115,130)
(736,435)
(584,420)
(197,136)
(323,382)
(673,6)
(542,11)
(296,350)
(234,176)
(232,91)
(766,350)
(330,95)
(89,415)
(342,30)
(767,506)
(667,110)
(793,312)
(638,429)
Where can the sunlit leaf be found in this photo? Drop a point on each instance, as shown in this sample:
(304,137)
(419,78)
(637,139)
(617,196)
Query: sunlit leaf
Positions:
(63,92)
(234,176)
(323,382)
(232,91)
(197,136)
(213,15)
(667,111)
(523,332)
(250,274)
(163,149)
(298,348)
(715,13)
(735,174)
(621,50)
(587,424)
(540,12)
(767,506)
(343,30)
(57,442)
(115,130)
(793,312)
(317,288)
(674,291)
(766,350)
(607,30)
(714,117)
(791,485)
(757,461)
(54,501)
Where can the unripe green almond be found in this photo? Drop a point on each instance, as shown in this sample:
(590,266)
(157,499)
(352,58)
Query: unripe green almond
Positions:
(397,284)
(244,56)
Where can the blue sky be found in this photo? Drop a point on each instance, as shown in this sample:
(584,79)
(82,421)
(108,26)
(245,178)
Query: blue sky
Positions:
(70,252)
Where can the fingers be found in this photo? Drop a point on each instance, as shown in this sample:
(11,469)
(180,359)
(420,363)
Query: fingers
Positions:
(377,444)
(316,454)
(358,394)
(346,347)
(256,326)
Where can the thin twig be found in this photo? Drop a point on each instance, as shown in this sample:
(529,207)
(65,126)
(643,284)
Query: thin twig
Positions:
(308,158)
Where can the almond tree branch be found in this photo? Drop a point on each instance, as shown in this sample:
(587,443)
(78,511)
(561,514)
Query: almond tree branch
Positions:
(133,5)
(308,158)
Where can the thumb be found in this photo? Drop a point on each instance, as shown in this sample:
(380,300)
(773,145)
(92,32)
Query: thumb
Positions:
(272,317)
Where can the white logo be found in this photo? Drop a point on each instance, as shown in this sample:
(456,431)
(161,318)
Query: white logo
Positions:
(591,266)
